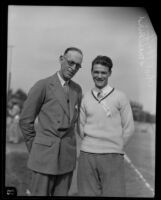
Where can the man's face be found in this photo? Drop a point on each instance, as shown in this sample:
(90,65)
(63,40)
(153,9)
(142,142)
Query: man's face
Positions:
(70,64)
(100,75)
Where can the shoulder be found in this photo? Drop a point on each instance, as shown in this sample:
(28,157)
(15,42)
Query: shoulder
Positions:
(40,85)
(76,86)
(121,97)
(45,81)
(119,93)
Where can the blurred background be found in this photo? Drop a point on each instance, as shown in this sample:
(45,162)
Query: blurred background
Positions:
(38,35)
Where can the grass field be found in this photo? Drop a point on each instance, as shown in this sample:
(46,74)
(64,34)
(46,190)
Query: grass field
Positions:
(140,149)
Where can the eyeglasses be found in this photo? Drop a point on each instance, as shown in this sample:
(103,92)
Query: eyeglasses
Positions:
(71,63)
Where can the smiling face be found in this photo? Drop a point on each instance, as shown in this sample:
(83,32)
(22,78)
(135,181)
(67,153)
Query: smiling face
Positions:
(100,74)
(70,64)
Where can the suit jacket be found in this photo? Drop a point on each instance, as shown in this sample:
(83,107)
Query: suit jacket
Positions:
(52,145)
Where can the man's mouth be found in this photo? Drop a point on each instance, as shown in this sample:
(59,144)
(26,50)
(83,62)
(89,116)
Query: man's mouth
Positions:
(99,80)
(70,74)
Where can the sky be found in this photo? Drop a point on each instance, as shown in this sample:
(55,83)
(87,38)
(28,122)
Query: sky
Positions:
(38,35)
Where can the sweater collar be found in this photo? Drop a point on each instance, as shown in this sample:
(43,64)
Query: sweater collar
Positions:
(104,91)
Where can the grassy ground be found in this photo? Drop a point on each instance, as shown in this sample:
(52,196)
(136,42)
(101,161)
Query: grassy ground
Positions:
(17,174)
(141,150)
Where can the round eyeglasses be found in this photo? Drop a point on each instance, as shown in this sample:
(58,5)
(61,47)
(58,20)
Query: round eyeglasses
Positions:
(71,63)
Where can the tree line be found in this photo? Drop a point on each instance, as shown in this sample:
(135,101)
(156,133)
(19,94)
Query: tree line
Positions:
(140,115)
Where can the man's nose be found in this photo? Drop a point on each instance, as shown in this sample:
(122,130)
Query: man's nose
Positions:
(74,66)
(99,75)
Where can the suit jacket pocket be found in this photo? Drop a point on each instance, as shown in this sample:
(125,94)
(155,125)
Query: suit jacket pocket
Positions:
(43,141)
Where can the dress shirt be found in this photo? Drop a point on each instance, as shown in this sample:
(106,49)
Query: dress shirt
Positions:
(62,80)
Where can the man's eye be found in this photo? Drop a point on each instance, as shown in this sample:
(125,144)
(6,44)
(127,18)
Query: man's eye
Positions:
(71,62)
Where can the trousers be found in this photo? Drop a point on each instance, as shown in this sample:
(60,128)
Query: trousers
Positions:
(101,175)
(50,185)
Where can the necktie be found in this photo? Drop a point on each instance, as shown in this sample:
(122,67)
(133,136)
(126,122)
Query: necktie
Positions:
(99,95)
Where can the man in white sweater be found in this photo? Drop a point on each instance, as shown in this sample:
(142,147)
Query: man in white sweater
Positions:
(106,124)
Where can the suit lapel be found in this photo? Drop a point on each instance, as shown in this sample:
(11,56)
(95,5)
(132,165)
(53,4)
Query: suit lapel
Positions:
(58,92)
(72,98)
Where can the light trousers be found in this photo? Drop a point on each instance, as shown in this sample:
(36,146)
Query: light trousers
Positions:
(101,175)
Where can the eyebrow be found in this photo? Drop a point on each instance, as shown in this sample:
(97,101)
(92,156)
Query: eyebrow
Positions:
(73,62)
(100,71)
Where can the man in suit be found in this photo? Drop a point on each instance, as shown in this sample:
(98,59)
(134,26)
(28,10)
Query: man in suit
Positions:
(55,102)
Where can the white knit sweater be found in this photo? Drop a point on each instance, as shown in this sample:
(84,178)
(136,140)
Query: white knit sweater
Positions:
(105,126)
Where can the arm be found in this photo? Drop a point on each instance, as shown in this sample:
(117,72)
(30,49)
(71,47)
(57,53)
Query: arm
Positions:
(30,111)
(77,127)
(126,119)
(82,119)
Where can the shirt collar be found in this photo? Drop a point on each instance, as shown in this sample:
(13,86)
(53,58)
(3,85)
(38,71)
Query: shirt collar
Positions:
(107,89)
(61,79)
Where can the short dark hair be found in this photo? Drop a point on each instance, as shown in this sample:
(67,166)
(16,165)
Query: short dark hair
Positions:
(102,60)
(73,49)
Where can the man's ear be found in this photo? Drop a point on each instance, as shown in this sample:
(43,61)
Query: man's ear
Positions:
(61,58)
(110,73)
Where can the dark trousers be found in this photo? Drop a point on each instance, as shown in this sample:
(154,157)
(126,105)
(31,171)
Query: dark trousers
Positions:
(101,175)
(50,185)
